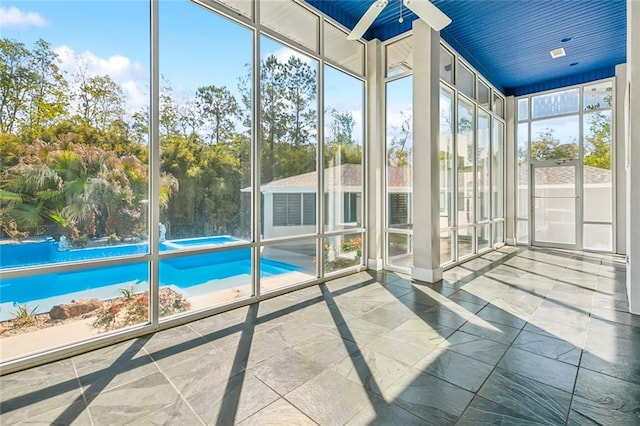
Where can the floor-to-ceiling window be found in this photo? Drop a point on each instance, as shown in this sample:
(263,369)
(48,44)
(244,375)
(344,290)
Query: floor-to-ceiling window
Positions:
(253,147)
(399,154)
(565,167)
(471,161)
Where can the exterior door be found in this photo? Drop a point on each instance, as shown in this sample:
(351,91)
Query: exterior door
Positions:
(554,204)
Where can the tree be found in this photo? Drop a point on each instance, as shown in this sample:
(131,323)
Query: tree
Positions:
(598,142)
(546,146)
(399,152)
(300,94)
(32,88)
(340,146)
(100,100)
(219,109)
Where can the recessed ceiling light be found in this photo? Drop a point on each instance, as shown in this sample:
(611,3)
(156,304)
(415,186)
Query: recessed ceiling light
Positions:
(566,39)
(558,53)
(573,64)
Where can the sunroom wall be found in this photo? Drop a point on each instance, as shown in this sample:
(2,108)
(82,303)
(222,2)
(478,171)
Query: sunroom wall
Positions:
(331,160)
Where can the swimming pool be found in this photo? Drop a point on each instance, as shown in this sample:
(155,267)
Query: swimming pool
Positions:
(47,250)
(189,275)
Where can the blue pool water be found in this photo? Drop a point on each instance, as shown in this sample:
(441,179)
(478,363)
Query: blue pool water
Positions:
(219,270)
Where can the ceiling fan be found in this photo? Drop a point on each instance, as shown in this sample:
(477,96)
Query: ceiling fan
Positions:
(425,10)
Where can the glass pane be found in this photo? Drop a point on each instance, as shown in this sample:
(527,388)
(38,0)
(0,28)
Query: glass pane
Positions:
(446,247)
(484,237)
(286,264)
(342,251)
(598,237)
(77,304)
(244,7)
(465,80)
(523,109)
(344,111)
(446,65)
(555,204)
(498,105)
(205,141)
(564,102)
(522,232)
(292,20)
(399,152)
(400,250)
(498,232)
(483,94)
(483,183)
(522,196)
(598,182)
(400,57)
(446,157)
(497,169)
(288,135)
(598,96)
(465,160)
(205,280)
(465,242)
(555,138)
(348,53)
(74,149)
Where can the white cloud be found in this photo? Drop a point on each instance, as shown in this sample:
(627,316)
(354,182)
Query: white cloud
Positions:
(283,54)
(14,17)
(130,75)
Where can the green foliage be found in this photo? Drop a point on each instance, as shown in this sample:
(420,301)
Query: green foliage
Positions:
(597,145)
(546,146)
(128,293)
(25,315)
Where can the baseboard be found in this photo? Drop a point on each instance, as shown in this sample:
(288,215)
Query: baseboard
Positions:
(426,275)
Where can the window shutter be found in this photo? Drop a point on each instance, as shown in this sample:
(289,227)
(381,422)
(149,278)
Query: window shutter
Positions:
(279,209)
(309,209)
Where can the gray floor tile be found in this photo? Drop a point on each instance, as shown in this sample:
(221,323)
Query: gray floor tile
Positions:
(430,398)
(37,391)
(177,413)
(494,314)
(461,370)
(406,352)
(543,403)
(327,349)
(330,398)
(72,414)
(371,369)
(233,401)
(286,371)
(492,331)
(279,412)
(133,400)
(109,367)
(613,356)
(481,411)
(548,346)
(384,413)
(388,317)
(601,399)
(475,347)
(537,367)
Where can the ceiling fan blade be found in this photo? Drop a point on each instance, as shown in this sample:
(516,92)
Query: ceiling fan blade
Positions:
(429,13)
(367,19)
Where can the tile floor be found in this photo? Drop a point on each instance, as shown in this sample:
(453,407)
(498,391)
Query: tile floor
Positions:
(518,336)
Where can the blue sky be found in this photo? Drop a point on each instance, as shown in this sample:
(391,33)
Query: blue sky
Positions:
(197,47)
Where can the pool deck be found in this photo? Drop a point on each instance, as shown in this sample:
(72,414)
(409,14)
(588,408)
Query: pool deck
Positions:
(72,332)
